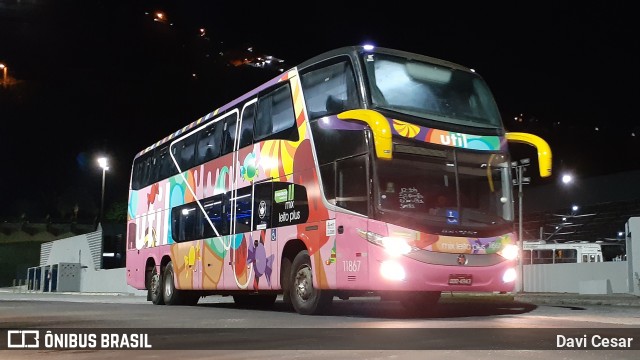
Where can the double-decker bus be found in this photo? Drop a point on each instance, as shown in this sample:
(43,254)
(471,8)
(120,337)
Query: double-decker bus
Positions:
(361,172)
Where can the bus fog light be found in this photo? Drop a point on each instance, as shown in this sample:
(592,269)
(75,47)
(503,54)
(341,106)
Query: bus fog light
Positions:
(509,275)
(391,270)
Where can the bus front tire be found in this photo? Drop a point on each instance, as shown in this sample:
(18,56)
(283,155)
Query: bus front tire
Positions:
(155,287)
(305,298)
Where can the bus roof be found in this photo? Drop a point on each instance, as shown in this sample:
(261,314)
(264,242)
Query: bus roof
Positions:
(352,51)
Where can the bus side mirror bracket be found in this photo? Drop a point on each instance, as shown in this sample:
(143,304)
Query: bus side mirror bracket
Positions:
(544,151)
(379,127)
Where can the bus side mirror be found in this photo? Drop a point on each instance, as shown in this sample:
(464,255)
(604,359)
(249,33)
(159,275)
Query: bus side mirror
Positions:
(544,151)
(379,127)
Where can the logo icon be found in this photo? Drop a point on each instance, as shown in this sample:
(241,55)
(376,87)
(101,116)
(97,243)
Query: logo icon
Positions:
(23,339)
(462,260)
(262,209)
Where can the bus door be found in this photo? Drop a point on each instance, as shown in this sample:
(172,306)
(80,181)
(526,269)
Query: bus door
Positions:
(252,246)
(352,194)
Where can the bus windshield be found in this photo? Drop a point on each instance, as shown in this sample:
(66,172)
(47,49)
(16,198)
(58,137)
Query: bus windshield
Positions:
(430,91)
(433,188)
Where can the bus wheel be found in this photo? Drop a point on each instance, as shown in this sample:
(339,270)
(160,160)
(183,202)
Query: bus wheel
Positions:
(306,299)
(155,287)
(170,294)
(420,302)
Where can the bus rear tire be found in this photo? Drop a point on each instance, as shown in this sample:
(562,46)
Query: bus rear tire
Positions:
(170,294)
(155,287)
(305,298)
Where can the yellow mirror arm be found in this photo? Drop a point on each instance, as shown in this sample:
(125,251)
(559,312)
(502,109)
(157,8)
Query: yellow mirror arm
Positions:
(544,151)
(379,126)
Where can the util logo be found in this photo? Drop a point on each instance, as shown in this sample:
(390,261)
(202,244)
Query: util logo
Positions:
(454,139)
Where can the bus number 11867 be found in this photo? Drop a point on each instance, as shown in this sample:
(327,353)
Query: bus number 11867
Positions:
(351,265)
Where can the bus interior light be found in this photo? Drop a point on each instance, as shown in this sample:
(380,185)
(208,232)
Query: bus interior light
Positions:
(391,270)
(509,276)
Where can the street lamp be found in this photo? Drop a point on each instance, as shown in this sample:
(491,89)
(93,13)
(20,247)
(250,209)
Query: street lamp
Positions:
(4,74)
(103,162)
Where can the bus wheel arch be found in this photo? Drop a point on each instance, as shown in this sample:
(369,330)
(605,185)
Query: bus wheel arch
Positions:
(148,274)
(304,297)
(289,252)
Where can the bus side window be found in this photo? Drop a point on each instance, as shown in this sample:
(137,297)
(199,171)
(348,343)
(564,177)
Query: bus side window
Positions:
(142,171)
(246,128)
(275,117)
(243,210)
(330,89)
(214,209)
(185,222)
(351,184)
(184,151)
(328,175)
(164,165)
(229,133)
(209,143)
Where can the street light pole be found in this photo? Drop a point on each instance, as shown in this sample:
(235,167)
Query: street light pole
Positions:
(520,180)
(105,166)
(520,239)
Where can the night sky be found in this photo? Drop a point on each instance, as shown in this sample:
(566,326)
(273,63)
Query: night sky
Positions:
(89,77)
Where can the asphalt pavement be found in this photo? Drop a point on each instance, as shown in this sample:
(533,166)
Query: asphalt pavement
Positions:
(561,299)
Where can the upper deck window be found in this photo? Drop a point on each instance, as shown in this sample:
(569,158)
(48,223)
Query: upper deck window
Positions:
(329,89)
(431,91)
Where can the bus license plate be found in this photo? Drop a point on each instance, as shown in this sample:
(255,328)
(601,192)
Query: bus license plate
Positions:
(460,279)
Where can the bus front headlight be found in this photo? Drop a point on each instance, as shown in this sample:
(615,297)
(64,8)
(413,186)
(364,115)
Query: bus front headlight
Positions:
(509,252)
(394,246)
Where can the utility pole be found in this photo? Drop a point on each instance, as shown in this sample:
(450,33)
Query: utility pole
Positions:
(520,167)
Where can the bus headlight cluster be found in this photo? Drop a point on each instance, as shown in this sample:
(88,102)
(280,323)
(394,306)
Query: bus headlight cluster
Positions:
(394,246)
(509,252)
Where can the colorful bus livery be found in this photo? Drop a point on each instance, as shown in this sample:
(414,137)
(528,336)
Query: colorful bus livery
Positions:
(359,172)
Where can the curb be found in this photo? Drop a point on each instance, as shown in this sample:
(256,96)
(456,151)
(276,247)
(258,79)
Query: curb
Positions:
(579,299)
